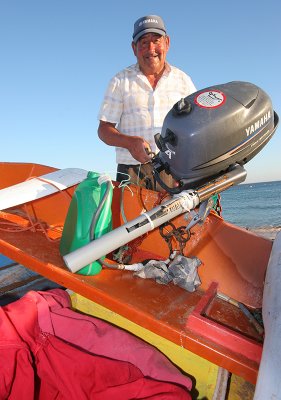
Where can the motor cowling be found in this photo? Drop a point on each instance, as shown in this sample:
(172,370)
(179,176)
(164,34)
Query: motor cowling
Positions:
(211,130)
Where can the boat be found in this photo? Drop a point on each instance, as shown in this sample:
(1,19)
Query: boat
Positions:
(234,262)
(211,331)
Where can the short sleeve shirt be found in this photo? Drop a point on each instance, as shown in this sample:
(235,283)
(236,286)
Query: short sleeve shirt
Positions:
(139,110)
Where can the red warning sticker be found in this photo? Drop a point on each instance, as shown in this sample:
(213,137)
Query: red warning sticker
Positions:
(210,99)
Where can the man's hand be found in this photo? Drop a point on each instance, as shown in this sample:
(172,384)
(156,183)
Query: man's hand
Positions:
(140,149)
(137,146)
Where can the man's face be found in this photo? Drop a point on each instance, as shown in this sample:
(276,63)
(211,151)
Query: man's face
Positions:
(151,50)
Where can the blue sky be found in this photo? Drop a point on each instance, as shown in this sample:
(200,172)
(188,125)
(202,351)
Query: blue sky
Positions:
(57,57)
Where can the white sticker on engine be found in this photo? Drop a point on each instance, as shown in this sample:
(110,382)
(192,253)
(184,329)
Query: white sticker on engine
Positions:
(210,99)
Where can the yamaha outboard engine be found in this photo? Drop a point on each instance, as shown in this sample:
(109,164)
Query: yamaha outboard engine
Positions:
(210,131)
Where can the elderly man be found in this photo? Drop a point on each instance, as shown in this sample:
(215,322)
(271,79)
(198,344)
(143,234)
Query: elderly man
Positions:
(138,99)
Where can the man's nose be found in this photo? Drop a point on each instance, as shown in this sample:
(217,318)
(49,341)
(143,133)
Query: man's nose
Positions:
(151,45)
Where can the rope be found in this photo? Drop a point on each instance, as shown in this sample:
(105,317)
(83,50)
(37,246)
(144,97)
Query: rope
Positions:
(149,220)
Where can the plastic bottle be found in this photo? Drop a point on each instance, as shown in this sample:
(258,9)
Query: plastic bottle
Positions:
(88,204)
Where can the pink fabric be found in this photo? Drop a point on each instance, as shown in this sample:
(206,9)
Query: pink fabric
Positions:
(48,351)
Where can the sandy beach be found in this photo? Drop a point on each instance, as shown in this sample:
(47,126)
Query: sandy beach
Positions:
(268,233)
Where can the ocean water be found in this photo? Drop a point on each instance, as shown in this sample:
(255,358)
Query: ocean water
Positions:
(254,205)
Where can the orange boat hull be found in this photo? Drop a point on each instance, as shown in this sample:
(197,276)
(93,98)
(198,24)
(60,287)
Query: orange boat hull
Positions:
(234,262)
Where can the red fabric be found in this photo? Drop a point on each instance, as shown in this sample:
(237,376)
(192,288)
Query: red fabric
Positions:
(37,364)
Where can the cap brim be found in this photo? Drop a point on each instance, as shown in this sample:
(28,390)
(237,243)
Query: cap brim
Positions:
(149,30)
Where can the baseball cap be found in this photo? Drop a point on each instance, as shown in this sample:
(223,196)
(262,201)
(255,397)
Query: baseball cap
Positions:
(147,24)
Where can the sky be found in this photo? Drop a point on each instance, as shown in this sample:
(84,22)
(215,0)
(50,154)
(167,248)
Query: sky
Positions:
(57,57)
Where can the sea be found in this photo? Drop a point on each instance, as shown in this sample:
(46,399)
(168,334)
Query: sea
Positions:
(253,205)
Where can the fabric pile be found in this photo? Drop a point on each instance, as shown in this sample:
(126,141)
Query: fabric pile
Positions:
(182,271)
(48,351)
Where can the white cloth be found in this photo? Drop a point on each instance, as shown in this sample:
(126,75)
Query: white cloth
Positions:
(137,110)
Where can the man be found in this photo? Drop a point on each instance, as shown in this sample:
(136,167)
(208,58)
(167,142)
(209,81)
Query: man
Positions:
(138,99)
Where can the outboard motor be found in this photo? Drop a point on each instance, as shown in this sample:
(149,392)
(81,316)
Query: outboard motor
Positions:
(205,134)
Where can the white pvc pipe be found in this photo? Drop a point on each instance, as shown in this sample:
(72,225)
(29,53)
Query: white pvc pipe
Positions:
(183,202)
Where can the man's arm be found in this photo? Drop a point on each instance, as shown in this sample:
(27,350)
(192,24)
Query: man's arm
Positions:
(136,145)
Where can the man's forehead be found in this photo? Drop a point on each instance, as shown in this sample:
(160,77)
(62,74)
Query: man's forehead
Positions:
(149,35)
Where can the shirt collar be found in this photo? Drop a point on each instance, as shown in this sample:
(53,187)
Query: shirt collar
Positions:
(167,69)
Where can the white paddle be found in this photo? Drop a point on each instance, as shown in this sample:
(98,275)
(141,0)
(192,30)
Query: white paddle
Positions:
(40,186)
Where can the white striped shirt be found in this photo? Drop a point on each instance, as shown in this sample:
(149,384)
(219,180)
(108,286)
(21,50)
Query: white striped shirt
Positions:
(137,110)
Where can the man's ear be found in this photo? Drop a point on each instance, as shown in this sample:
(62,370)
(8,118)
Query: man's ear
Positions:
(134,47)
(167,38)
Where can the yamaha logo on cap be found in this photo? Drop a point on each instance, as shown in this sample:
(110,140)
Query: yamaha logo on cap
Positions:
(148,21)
